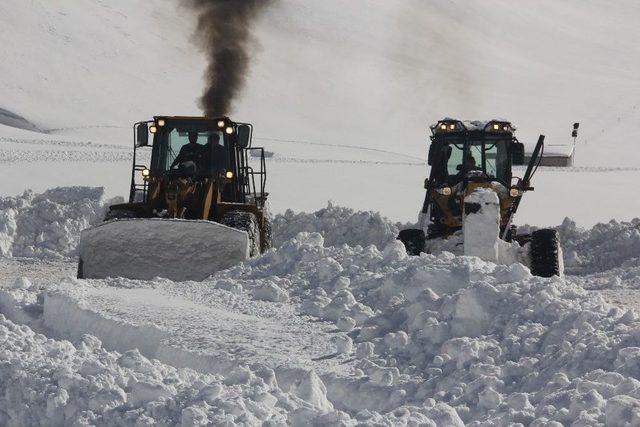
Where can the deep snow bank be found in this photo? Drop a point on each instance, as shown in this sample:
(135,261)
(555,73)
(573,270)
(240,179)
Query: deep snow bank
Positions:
(48,225)
(52,382)
(601,248)
(435,339)
(58,382)
(337,225)
(491,342)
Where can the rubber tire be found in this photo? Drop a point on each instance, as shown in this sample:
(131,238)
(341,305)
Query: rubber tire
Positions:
(414,240)
(80,274)
(545,253)
(245,221)
(119,214)
(266,241)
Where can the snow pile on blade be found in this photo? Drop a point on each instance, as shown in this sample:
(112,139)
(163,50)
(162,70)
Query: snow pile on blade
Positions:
(48,225)
(147,248)
(337,225)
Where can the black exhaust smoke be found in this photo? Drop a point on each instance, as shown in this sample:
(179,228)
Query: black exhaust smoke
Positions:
(224,32)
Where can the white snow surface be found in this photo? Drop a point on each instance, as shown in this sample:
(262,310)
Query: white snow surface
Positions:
(603,247)
(332,334)
(337,225)
(48,225)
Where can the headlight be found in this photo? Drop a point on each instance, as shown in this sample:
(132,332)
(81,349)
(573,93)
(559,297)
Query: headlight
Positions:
(146,172)
(514,192)
(445,191)
(229,130)
(229,175)
(153,129)
(161,122)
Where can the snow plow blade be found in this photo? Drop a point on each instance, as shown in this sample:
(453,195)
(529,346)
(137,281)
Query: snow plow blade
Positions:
(147,248)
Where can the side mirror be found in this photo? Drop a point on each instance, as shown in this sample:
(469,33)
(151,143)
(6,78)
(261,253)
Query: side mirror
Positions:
(142,135)
(244,136)
(517,154)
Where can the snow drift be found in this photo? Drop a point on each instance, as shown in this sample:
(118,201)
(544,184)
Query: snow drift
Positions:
(48,225)
(338,226)
(441,340)
(603,247)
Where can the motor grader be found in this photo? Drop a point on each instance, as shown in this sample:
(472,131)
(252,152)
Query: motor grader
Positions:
(198,207)
(472,197)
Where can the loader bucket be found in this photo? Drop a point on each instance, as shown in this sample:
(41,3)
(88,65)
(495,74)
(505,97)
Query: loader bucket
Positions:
(146,248)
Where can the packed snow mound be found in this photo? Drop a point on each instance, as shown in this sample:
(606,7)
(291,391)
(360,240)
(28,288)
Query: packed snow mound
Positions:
(604,247)
(491,342)
(51,382)
(441,340)
(48,225)
(338,226)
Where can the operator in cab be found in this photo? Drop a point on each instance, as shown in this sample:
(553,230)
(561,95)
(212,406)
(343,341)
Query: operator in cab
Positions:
(217,156)
(191,154)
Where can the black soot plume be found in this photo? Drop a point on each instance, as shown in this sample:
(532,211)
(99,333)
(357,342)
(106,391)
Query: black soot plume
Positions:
(224,33)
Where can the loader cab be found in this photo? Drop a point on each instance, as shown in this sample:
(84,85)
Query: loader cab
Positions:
(473,151)
(198,150)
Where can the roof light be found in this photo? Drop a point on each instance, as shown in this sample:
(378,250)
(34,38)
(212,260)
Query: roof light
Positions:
(153,129)
(452,126)
(161,122)
(443,126)
(221,124)
(496,126)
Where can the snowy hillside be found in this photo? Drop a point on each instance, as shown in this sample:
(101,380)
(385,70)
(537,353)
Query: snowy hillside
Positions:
(372,75)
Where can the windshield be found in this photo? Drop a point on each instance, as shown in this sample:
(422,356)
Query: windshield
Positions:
(488,157)
(191,152)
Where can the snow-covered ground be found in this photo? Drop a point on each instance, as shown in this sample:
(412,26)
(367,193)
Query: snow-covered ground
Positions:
(335,326)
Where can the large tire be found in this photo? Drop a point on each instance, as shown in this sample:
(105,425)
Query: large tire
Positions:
(245,221)
(413,240)
(545,253)
(119,214)
(266,239)
(80,274)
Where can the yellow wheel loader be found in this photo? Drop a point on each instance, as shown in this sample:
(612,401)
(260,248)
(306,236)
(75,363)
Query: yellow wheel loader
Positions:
(472,197)
(198,207)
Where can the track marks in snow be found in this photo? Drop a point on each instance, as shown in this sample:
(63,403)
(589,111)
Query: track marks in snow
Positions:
(214,336)
(278,159)
(345,146)
(64,143)
(63,156)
